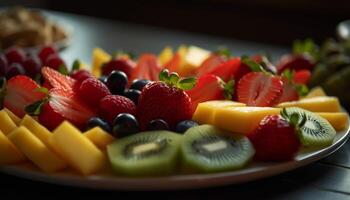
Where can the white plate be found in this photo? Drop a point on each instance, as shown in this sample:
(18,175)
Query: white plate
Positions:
(252,172)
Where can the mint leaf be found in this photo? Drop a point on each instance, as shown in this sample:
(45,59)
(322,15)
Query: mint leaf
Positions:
(187,83)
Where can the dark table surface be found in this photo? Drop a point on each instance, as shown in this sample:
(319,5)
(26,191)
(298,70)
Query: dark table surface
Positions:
(326,179)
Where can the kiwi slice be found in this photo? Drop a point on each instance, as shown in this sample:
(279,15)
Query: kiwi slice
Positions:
(316,131)
(206,148)
(145,154)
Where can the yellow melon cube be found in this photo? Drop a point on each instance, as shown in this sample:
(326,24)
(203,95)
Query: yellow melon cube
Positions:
(6,123)
(9,153)
(165,56)
(205,111)
(339,120)
(315,104)
(316,92)
(77,149)
(99,137)
(99,56)
(242,120)
(37,129)
(35,150)
(14,117)
(192,58)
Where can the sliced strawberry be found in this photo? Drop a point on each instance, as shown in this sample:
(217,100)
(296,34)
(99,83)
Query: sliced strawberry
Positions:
(209,64)
(174,63)
(228,70)
(209,87)
(58,80)
(146,68)
(295,62)
(63,106)
(20,92)
(259,89)
(302,76)
(289,93)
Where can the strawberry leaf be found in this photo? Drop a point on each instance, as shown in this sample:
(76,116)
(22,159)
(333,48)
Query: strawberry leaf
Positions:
(63,70)
(76,65)
(174,78)
(224,52)
(302,89)
(187,83)
(306,47)
(229,89)
(164,76)
(42,89)
(34,109)
(254,66)
(289,75)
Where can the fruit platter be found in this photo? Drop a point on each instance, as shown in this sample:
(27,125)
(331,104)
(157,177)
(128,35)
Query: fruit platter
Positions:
(185,118)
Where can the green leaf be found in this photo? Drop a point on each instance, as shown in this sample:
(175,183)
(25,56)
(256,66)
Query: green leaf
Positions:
(76,65)
(254,66)
(174,78)
(229,89)
(35,108)
(302,89)
(187,83)
(42,90)
(63,70)
(37,78)
(289,75)
(223,51)
(164,75)
(307,46)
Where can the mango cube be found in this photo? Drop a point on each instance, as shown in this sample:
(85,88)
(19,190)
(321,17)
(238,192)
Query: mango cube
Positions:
(166,55)
(77,149)
(338,120)
(195,56)
(315,104)
(37,129)
(6,123)
(205,111)
(14,117)
(99,137)
(316,92)
(9,153)
(99,56)
(35,150)
(242,120)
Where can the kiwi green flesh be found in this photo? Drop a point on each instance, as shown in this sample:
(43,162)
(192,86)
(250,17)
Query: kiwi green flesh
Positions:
(317,131)
(149,153)
(208,149)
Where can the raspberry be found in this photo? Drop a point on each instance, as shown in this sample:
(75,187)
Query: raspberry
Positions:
(92,91)
(81,75)
(112,105)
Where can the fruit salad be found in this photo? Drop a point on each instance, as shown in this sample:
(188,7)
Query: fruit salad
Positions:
(183,111)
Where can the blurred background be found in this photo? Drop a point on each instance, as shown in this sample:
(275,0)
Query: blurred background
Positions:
(269,21)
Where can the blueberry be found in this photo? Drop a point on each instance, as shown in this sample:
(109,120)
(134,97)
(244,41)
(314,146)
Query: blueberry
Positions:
(96,121)
(182,126)
(139,84)
(116,82)
(158,124)
(124,125)
(133,95)
(15,69)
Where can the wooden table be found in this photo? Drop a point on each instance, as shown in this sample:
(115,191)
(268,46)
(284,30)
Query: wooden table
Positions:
(327,179)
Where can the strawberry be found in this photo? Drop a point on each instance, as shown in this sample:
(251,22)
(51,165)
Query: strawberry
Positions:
(276,138)
(295,62)
(209,64)
(112,105)
(21,91)
(228,70)
(147,68)
(58,80)
(259,89)
(120,64)
(81,75)
(166,100)
(174,63)
(302,76)
(289,92)
(210,87)
(92,91)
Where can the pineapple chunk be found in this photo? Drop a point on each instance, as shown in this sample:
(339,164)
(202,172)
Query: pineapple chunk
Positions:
(242,119)
(205,111)
(14,117)
(37,129)
(6,123)
(9,154)
(192,58)
(315,104)
(339,120)
(99,56)
(99,137)
(35,150)
(165,56)
(78,150)
(316,92)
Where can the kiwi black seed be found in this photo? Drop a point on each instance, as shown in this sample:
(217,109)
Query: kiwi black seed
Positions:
(206,148)
(145,154)
(316,131)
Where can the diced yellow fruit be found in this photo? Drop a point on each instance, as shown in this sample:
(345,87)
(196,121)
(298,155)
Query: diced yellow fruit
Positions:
(99,137)
(315,104)
(242,120)
(339,120)
(37,129)
(166,55)
(316,92)
(14,117)
(192,59)
(6,123)
(9,154)
(77,149)
(36,151)
(99,56)
(205,111)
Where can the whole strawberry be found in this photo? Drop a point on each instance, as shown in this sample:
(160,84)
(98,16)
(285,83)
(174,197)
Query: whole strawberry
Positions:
(276,138)
(165,99)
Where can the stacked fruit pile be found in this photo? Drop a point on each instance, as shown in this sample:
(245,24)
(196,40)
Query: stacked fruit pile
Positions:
(142,116)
